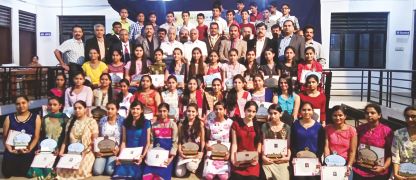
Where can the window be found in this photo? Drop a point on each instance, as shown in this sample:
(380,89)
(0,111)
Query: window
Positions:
(27,37)
(86,22)
(5,35)
(358,40)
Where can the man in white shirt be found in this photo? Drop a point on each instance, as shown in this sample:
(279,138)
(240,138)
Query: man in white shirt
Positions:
(274,13)
(170,21)
(286,16)
(309,42)
(269,23)
(193,43)
(186,24)
(183,35)
(169,45)
(216,17)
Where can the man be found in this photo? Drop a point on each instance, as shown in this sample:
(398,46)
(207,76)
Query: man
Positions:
(309,34)
(152,18)
(240,8)
(114,36)
(286,16)
(274,13)
(186,24)
(276,32)
(100,43)
(213,40)
(70,54)
(169,45)
(216,17)
(125,22)
(290,39)
(269,23)
(193,43)
(260,43)
(230,21)
(255,14)
(247,34)
(202,28)
(246,21)
(149,42)
(136,29)
(183,35)
(161,35)
(170,21)
(124,45)
(233,42)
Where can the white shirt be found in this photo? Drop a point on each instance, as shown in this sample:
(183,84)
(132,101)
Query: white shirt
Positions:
(73,51)
(188,27)
(222,24)
(275,17)
(317,46)
(123,45)
(189,46)
(168,48)
(259,48)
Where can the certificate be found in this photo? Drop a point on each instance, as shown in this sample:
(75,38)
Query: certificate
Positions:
(306,166)
(43,160)
(157,157)
(275,148)
(70,161)
(209,78)
(180,78)
(130,154)
(158,80)
(116,77)
(370,156)
(316,115)
(333,172)
(303,76)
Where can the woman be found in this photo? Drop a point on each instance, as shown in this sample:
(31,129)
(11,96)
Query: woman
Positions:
(135,133)
(190,130)
(251,63)
(289,67)
(59,89)
(159,66)
(246,136)
(104,93)
(80,129)
(237,97)
(193,94)
(404,142)
(217,131)
(270,68)
(317,98)
(109,126)
(214,65)
(233,67)
(214,96)
(34,62)
(172,96)
(124,98)
(94,67)
(117,65)
(261,94)
(288,100)
(165,135)
(147,94)
(309,64)
(178,67)
(16,162)
(276,168)
(53,127)
(137,65)
(374,133)
(341,138)
(197,68)
(78,91)
(307,134)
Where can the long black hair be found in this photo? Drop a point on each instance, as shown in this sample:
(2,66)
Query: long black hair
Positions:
(194,130)
(120,94)
(128,122)
(289,84)
(193,71)
(232,95)
(72,121)
(140,88)
(76,74)
(186,93)
(145,69)
(110,89)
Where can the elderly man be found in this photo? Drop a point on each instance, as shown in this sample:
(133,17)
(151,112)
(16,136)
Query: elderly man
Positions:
(260,43)
(193,43)
(247,34)
(149,42)
(169,45)
(70,53)
(288,38)
(183,35)
(124,45)
(233,43)
(100,43)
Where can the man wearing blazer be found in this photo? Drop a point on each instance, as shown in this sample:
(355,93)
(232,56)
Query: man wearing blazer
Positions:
(233,42)
(124,45)
(260,43)
(100,43)
(213,39)
(288,38)
(149,42)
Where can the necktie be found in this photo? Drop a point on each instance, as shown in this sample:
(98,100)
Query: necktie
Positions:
(233,44)
(126,54)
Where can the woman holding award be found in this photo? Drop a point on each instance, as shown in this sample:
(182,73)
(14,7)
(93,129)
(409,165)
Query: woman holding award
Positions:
(135,133)
(22,130)
(260,93)
(404,147)
(246,145)
(276,153)
(374,144)
(80,129)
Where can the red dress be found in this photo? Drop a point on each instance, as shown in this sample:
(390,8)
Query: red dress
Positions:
(246,142)
(318,102)
(148,100)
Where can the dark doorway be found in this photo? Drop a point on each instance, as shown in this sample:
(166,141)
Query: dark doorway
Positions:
(27,37)
(414,62)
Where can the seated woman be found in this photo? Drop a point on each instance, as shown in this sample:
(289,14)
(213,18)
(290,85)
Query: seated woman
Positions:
(137,65)
(109,126)
(214,65)
(59,89)
(197,68)
(124,98)
(317,98)
(260,93)
(16,162)
(233,67)
(401,151)
(159,67)
(178,67)
(252,66)
(374,133)
(190,130)
(270,68)
(147,94)
(237,97)
(116,66)
(213,96)
(193,94)
(287,99)
(104,93)
(288,67)
(172,96)
(94,67)
(246,136)
(308,65)
(78,92)
(164,134)
(135,133)
(53,127)
(79,129)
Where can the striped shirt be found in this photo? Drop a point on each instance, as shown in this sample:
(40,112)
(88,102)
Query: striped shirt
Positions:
(136,30)
(73,51)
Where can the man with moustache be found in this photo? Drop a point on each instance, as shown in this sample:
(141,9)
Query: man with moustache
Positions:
(213,40)
(234,42)
(124,45)
(289,38)
(309,34)
(100,43)
(260,43)
(149,42)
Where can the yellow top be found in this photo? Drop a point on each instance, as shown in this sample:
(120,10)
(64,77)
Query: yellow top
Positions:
(125,25)
(94,73)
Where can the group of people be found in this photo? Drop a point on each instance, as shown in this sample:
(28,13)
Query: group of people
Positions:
(215,84)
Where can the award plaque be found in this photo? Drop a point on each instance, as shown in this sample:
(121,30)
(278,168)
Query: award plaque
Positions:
(209,78)
(275,148)
(69,161)
(190,149)
(306,154)
(408,170)
(272,82)
(75,148)
(157,157)
(333,172)
(306,166)
(246,156)
(262,112)
(219,150)
(105,145)
(18,139)
(158,80)
(180,78)
(48,145)
(116,77)
(370,156)
(335,160)
(98,112)
(130,154)
(316,115)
